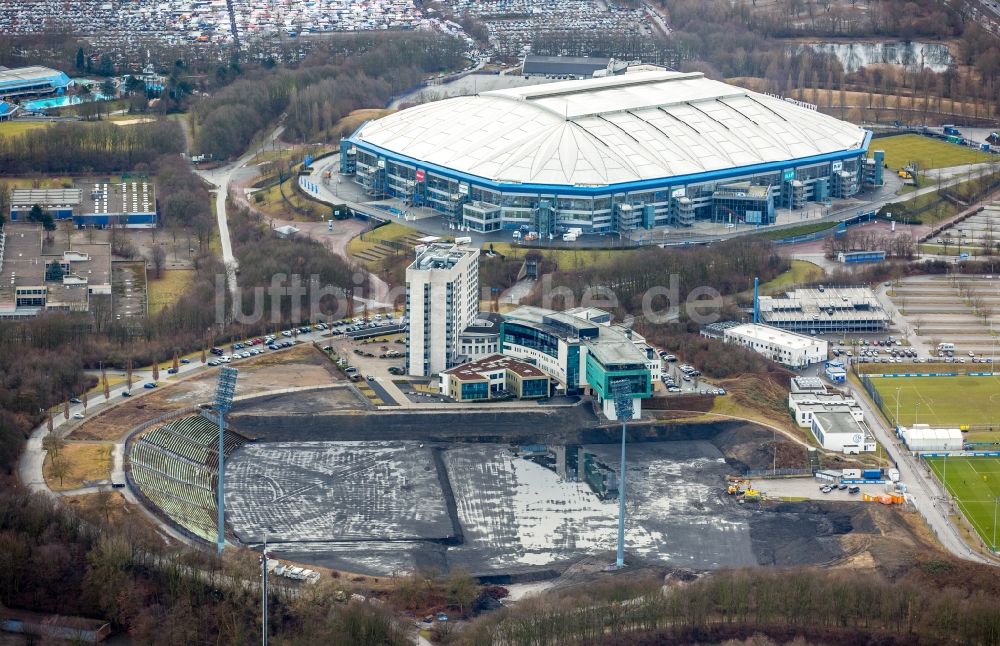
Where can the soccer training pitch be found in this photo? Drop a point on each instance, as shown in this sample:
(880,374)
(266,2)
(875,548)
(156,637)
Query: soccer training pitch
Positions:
(941,401)
(974,483)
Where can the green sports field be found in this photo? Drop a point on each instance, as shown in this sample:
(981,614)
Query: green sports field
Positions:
(942,401)
(927,152)
(974,483)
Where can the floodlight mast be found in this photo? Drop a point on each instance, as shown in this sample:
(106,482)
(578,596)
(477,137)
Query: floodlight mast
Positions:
(621,390)
(224,391)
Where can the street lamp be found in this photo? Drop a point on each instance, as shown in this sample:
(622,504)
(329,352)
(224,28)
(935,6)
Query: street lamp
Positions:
(263,569)
(995,501)
(621,390)
(897,410)
(224,391)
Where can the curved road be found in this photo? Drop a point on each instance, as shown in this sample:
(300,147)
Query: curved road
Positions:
(220,178)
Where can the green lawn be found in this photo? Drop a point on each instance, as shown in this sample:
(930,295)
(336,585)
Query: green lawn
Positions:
(16,127)
(792,232)
(927,152)
(801,271)
(975,485)
(942,401)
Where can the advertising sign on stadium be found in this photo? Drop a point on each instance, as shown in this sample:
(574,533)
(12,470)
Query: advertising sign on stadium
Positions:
(678,192)
(463,188)
(837,165)
(789,175)
(420,174)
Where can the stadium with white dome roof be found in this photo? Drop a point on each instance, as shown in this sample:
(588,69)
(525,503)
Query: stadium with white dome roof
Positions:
(645,149)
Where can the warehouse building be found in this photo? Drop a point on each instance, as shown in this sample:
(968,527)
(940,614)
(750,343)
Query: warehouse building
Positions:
(580,354)
(442,299)
(787,348)
(494,377)
(644,149)
(823,310)
(32,81)
(33,281)
(569,67)
(130,204)
(921,437)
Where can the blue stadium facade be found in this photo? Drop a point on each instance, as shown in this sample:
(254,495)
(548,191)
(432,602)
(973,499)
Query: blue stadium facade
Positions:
(576,155)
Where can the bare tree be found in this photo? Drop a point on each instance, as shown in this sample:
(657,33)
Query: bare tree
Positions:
(158,258)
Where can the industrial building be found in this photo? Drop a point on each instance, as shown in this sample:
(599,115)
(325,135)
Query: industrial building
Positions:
(129,204)
(32,81)
(860,257)
(33,281)
(921,437)
(580,354)
(824,309)
(642,149)
(442,299)
(787,348)
(495,377)
(570,67)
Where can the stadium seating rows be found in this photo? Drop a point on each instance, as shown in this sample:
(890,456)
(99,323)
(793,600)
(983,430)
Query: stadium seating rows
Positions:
(175,467)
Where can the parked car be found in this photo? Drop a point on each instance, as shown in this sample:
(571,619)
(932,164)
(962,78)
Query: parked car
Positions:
(75,400)
(185,361)
(77,415)
(149,385)
(126,393)
(171,371)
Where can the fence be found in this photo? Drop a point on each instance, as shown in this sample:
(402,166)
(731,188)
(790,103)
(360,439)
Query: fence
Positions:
(874,395)
(776,473)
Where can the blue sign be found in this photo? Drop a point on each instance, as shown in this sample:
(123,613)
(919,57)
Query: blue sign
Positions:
(789,175)
(308,160)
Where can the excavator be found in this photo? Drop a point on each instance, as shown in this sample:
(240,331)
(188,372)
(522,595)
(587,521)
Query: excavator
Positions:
(742,488)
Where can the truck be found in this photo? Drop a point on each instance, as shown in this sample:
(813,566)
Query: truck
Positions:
(463,240)
(569,237)
(871,474)
(950,129)
(893,475)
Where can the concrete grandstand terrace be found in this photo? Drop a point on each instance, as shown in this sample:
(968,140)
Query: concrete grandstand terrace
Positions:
(935,310)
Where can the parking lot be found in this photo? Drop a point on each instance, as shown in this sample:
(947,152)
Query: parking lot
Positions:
(811,488)
(962,310)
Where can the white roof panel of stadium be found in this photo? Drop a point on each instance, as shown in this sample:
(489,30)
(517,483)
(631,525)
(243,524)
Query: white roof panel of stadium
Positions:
(638,126)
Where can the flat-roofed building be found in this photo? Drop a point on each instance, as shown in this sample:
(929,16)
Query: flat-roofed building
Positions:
(581,355)
(825,309)
(130,204)
(34,80)
(495,377)
(32,281)
(787,348)
(481,338)
(841,431)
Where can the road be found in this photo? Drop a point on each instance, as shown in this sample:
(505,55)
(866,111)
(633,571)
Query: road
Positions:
(220,178)
(924,491)
(30,464)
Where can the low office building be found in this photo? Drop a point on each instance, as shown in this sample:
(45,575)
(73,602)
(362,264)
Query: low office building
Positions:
(481,338)
(495,377)
(836,372)
(32,281)
(804,406)
(130,204)
(581,355)
(786,348)
(823,310)
(839,430)
(921,437)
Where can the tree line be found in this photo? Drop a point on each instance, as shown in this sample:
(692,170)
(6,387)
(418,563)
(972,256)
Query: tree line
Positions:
(88,148)
(819,606)
(348,73)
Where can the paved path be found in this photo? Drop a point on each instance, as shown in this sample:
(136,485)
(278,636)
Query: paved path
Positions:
(220,179)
